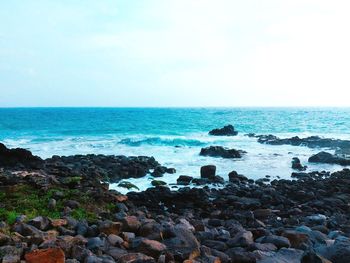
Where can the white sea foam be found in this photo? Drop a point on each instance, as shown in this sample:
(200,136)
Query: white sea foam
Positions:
(260,159)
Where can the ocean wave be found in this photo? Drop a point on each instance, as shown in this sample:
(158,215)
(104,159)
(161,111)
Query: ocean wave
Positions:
(157,141)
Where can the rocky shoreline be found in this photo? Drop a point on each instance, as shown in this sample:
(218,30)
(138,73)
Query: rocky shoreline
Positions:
(61,210)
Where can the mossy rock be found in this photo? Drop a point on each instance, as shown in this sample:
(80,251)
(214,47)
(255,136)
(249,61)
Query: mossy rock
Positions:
(158,183)
(128,185)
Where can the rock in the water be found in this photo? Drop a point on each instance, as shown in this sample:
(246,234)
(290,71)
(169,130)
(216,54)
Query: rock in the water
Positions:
(219,151)
(296,164)
(325,157)
(227,130)
(184,180)
(208,171)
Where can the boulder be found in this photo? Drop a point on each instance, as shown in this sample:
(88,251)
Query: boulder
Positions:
(219,151)
(131,224)
(325,157)
(208,171)
(108,227)
(151,248)
(181,243)
(284,255)
(40,222)
(278,241)
(18,158)
(227,130)
(184,180)
(50,255)
(296,164)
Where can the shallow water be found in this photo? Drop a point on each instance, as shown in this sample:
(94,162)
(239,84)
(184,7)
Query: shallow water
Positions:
(175,136)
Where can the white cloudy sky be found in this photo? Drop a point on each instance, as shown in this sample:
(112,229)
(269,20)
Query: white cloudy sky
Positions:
(175,53)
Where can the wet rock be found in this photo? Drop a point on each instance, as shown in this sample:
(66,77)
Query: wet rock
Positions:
(158,183)
(219,151)
(18,158)
(184,180)
(325,157)
(208,171)
(234,177)
(50,255)
(227,130)
(296,164)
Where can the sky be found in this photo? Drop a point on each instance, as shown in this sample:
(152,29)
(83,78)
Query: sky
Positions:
(174,53)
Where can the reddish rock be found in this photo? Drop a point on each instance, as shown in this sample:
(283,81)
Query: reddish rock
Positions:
(131,224)
(50,255)
(151,248)
(296,238)
(135,257)
(59,222)
(109,227)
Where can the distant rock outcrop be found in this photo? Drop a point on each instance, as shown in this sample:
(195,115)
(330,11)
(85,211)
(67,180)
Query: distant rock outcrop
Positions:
(228,130)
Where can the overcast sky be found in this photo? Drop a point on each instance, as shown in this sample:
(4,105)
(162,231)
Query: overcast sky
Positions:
(175,53)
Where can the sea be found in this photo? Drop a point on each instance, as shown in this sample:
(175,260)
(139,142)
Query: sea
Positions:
(175,136)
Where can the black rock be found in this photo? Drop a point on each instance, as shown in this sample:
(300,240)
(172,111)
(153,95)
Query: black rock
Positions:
(228,130)
(219,151)
(325,157)
(208,171)
(18,158)
(296,164)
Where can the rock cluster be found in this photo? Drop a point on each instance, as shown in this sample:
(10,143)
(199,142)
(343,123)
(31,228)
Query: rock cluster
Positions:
(246,221)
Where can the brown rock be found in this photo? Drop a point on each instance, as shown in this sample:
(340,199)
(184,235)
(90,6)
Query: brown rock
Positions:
(50,255)
(151,248)
(296,238)
(59,222)
(136,257)
(109,227)
(131,224)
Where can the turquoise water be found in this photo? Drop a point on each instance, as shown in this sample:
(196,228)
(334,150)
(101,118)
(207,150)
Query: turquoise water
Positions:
(156,132)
